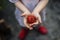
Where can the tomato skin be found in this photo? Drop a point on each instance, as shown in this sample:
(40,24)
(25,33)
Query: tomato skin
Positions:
(31,19)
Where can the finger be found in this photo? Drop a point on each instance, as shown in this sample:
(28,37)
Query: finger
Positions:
(39,18)
(31,28)
(24,14)
(27,25)
(36,22)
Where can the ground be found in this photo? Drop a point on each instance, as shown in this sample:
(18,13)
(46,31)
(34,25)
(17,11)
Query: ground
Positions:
(52,23)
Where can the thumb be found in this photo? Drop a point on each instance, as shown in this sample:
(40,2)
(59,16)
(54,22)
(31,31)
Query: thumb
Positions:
(24,14)
(40,19)
(35,23)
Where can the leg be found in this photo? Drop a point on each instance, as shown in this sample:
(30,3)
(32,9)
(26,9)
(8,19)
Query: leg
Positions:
(42,30)
(23,33)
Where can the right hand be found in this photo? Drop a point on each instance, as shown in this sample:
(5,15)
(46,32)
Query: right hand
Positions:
(25,14)
(26,24)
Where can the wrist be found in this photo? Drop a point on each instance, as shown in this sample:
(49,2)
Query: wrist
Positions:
(27,11)
(35,12)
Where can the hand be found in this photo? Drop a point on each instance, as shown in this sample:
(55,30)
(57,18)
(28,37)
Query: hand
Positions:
(25,13)
(26,24)
(38,16)
(25,21)
(31,25)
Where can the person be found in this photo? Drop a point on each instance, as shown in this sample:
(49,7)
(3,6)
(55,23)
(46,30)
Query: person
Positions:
(27,7)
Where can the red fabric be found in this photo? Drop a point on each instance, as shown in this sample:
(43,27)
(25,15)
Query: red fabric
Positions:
(42,30)
(23,34)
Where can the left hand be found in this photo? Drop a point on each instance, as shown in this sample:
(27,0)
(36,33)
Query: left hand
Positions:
(38,16)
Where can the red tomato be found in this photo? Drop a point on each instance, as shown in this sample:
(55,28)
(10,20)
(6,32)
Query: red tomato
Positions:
(31,19)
